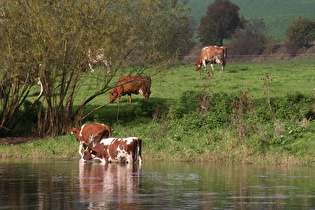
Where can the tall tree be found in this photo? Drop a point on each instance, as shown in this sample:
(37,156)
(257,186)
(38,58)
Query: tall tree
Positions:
(301,31)
(219,23)
(49,39)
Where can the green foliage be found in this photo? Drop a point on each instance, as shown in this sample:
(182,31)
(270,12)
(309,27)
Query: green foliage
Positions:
(189,101)
(294,106)
(301,31)
(150,108)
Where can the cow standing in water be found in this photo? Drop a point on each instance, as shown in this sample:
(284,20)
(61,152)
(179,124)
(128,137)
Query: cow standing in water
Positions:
(212,55)
(131,84)
(123,150)
(90,135)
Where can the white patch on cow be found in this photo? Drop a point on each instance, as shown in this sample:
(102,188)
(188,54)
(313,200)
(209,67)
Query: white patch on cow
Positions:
(80,134)
(218,61)
(107,141)
(130,139)
(141,92)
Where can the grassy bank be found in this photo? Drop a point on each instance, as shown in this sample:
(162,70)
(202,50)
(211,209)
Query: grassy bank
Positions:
(251,113)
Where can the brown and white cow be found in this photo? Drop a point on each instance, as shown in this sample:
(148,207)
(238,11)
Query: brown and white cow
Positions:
(123,150)
(131,84)
(90,134)
(94,57)
(212,55)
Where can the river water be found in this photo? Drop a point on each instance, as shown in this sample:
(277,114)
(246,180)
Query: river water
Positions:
(72,184)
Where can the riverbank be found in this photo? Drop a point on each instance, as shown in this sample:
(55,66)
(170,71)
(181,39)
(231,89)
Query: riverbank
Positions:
(217,146)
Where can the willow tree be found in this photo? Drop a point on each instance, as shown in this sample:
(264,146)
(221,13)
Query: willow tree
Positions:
(45,42)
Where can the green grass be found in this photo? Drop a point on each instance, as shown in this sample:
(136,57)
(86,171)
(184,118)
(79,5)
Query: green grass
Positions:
(277,15)
(190,136)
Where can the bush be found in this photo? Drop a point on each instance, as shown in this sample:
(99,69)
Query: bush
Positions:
(150,108)
(189,101)
(294,106)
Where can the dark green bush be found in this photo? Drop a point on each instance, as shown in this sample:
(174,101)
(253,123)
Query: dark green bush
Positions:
(189,101)
(293,106)
(150,108)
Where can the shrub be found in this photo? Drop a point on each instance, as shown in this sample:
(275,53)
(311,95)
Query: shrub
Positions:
(294,106)
(150,108)
(189,101)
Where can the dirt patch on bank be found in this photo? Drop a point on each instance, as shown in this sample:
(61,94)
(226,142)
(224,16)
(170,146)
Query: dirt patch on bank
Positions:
(11,141)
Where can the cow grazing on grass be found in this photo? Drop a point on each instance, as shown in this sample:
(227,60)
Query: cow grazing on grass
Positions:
(125,150)
(94,57)
(212,55)
(131,84)
(90,134)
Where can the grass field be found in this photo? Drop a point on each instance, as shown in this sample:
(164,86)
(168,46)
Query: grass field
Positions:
(190,137)
(286,77)
(277,14)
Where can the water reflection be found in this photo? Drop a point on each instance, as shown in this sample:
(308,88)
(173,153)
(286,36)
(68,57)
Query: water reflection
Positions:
(109,185)
(157,185)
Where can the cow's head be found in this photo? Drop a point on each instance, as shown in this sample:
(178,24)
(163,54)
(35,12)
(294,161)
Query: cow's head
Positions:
(197,65)
(75,131)
(89,154)
(113,95)
(146,94)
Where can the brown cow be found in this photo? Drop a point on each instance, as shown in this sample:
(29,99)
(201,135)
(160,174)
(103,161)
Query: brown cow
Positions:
(212,55)
(131,84)
(90,134)
(125,150)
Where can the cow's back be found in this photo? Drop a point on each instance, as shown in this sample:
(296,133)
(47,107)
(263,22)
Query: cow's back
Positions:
(125,150)
(133,83)
(94,132)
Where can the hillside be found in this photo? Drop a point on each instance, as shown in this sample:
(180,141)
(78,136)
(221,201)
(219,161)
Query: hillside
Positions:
(277,14)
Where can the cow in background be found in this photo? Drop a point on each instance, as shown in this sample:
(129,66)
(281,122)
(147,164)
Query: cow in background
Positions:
(94,57)
(212,55)
(125,150)
(131,84)
(90,135)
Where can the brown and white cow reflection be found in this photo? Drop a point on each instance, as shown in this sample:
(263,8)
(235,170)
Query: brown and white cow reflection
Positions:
(114,186)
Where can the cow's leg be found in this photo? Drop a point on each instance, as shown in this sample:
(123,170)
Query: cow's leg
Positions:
(129,98)
(223,65)
(212,67)
(204,65)
(118,99)
(80,149)
(108,65)
(91,67)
